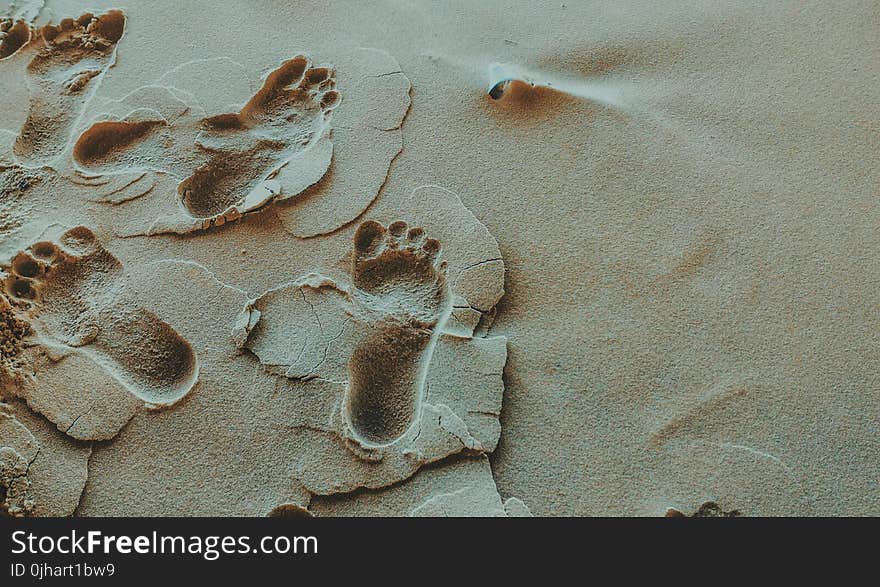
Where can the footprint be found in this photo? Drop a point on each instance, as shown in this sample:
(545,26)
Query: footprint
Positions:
(61,78)
(347,353)
(285,116)
(105,145)
(375,337)
(223,162)
(14,34)
(397,279)
(74,289)
(150,129)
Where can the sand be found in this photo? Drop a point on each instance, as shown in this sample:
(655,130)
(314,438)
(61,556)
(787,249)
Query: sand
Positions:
(456,259)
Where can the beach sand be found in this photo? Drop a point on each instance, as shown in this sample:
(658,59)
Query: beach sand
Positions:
(440,259)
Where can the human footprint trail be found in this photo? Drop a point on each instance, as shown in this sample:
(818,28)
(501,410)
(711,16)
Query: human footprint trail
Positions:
(287,423)
(167,162)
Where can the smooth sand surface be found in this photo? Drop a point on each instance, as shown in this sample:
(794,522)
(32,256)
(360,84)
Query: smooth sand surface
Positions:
(414,258)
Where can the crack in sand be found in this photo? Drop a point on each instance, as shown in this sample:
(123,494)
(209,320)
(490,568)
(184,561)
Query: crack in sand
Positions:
(77,419)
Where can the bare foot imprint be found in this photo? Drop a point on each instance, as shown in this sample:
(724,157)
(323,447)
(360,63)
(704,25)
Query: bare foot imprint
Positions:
(375,337)
(73,288)
(61,79)
(246,147)
(399,281)
(236,152)
(13,36)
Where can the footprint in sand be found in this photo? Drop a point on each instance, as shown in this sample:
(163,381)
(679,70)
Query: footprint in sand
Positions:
(74,291)
(62,76)
(398,282)
(285,116)
(14,34)
(225,168)
(375,336)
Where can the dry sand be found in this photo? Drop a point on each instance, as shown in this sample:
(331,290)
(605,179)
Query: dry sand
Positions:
(440,259)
